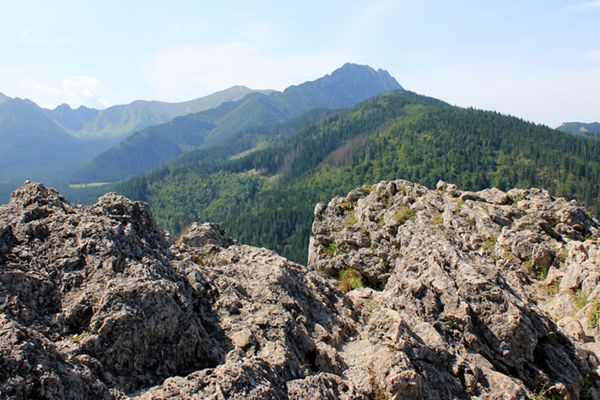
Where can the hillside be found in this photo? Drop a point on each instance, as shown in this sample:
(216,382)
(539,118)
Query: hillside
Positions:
(265,197)
(581,128)
(410,293)
(33,147)
(237,125)
(121,120)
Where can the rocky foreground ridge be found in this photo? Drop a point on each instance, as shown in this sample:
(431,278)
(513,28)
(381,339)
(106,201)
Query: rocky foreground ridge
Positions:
(409,293)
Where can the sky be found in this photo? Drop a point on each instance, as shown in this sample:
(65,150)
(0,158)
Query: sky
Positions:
(535,59)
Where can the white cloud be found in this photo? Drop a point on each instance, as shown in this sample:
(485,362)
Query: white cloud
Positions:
(33,36)
(74,90)
(187,71)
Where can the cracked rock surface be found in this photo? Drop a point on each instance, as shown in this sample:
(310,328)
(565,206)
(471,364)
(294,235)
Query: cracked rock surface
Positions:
(464,295)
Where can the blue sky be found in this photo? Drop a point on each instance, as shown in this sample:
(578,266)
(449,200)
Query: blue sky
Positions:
(539,60)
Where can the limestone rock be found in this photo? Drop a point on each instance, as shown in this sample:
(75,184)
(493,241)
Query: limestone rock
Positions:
(462,283)
(462,293)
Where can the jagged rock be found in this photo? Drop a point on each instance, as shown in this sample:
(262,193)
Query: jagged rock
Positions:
(463,282)
(95,302)
(207,234)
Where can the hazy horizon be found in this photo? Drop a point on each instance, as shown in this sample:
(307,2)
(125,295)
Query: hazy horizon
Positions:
(539,61)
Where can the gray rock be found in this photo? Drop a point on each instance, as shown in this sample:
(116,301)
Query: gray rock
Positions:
(459,311)
(95,302)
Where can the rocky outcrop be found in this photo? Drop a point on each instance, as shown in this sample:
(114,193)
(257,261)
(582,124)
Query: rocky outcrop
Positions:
(410,293)
(467,295)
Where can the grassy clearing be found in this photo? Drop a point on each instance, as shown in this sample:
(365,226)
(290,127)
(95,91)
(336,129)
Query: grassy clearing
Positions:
(88,185)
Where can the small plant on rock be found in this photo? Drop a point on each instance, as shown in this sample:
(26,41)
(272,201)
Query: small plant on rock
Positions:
(80,336)
(553,287)
(437,219)
(579,298)
(351,219)
(347,204)
(184,231)
(329,249)
(545,393)
(384,265)
(349,279)
(404,214)
(594,313)
(541,272)
(489,243)
(517,199)
(458,206)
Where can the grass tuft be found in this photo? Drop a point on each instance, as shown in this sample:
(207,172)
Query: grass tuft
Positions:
(489,243)
(351,219)
(329,249)
(404,214)
(579,298)
(349,279)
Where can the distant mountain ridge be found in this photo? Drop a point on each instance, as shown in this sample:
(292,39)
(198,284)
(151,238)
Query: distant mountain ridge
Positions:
(121,120)
(232,123)
(34,147)
(581,128)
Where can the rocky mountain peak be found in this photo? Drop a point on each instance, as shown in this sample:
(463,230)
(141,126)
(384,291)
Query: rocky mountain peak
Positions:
(410,293)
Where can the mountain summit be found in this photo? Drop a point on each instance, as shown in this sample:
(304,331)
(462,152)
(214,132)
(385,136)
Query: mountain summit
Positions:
(344,87)
(235,125)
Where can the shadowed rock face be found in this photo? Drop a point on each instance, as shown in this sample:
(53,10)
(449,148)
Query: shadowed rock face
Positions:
(475,295)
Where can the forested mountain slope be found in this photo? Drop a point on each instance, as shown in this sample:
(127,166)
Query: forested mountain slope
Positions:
(267,197)
(236,125)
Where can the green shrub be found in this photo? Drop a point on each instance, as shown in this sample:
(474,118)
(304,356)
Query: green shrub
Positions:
(437,219)
(541,272)
(329,249)
(404,214)
(349,279)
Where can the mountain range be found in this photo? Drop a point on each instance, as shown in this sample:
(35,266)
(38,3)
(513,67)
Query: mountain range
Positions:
(266,197)
(581,128)
(34,147)
(49,145)
(121,120)
(234,124)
